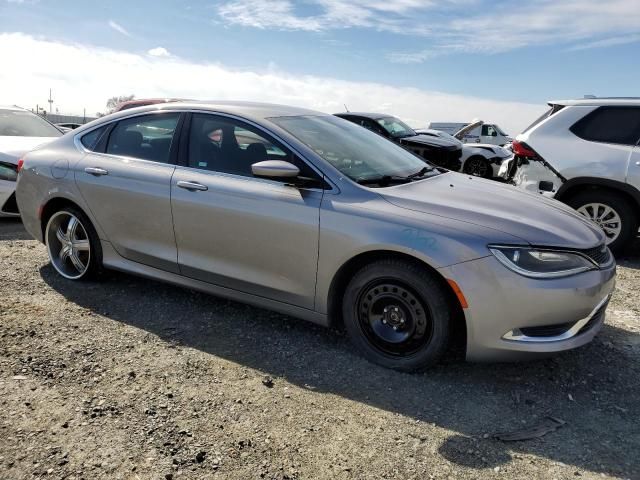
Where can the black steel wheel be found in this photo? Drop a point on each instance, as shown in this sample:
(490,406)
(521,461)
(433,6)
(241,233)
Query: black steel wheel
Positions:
(393,317)
(397,315)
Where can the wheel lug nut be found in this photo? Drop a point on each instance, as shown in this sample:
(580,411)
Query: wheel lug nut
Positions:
(384,321)
(395,328)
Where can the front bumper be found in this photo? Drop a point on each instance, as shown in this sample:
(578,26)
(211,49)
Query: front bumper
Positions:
(511,317)
(8,206)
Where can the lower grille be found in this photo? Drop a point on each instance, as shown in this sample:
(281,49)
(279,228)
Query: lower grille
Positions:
(10,206)
(547,330)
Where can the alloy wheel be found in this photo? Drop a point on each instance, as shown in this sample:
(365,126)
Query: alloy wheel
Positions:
(68,245)
(476,167)
(605,217)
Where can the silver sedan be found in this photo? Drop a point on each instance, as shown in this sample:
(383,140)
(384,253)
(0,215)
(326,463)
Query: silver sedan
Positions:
(313,216)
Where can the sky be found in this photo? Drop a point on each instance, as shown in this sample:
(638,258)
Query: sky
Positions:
(421,60)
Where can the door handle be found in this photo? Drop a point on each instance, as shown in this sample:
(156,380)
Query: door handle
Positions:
(192,186)
(96,171)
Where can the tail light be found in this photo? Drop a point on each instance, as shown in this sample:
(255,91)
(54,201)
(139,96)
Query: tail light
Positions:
(523,150)
(20,164)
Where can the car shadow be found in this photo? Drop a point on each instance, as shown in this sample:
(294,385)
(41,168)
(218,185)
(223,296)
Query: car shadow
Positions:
(12,229)
(593,389)
(631,259)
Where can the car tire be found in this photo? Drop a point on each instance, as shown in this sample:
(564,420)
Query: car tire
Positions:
(73,245)
(478,167)
(587,203)
(397,315)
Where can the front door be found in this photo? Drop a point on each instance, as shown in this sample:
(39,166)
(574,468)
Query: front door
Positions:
(254,235)
(127,187)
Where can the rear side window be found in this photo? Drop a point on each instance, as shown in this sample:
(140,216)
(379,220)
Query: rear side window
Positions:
(619,125)
(147,137)
(91,139)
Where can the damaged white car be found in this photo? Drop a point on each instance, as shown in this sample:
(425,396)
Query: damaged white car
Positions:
(478,159)
(586,154)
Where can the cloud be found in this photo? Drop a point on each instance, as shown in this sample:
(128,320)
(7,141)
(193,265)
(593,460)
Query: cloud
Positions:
(450,26)
(159,52)
(108,72)
(119,28)
(334,14)
(606,42)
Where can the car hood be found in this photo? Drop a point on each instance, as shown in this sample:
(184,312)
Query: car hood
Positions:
(534,219)
(430,140)
(13,148)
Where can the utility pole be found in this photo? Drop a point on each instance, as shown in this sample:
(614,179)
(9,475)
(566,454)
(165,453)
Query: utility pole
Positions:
(50,102)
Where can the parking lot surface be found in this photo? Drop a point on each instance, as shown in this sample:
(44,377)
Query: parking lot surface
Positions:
(130,378)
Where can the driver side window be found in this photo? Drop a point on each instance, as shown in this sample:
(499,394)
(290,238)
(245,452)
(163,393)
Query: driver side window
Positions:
(226,145)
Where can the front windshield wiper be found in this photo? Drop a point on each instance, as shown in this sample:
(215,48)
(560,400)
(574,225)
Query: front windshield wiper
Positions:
(385,180)
(420,173)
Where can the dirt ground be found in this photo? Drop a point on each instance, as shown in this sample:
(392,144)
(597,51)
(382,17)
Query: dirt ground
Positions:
(129,378)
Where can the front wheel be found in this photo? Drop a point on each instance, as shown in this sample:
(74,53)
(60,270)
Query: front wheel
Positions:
(73,245)
(478,167)
(612,213)
(397,315)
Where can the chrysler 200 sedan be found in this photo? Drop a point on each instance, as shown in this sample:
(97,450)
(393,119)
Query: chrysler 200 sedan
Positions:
(316,217)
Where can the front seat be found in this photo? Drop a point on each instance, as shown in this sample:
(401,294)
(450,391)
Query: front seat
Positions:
(129,143)
(256,152)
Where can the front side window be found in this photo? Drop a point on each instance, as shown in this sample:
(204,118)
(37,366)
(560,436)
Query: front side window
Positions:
(226,145)
(21,123)
(396,127)
(147,137)
(619,125)
(356,152)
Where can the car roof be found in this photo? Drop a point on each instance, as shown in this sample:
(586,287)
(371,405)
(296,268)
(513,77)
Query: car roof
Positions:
(598,101)
(13,107)
(255,110)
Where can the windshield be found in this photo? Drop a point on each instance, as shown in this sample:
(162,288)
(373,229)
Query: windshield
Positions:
(396,127)
(20,123)
(355,151)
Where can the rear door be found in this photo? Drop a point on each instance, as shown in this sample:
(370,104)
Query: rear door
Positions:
(254,235)
(126,182)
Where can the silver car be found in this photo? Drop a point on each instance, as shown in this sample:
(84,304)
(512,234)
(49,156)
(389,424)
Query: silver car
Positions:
(313,216)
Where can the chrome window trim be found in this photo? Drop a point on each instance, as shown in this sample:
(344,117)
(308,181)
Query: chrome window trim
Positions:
(516,334)
(78,144)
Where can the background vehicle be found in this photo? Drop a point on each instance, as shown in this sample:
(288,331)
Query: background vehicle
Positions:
(142,102)
(20,131)
(481,160)
(485,133)
(585,153)
(68,126)
(313,216)
(441,151)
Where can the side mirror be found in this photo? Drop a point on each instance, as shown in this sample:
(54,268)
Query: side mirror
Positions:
(275,169)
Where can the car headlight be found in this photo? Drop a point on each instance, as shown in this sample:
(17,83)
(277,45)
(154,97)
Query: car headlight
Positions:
(539,263)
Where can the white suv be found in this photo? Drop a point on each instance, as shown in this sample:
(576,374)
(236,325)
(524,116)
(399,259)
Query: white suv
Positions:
(585,153)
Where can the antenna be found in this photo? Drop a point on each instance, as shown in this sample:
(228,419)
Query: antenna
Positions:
(346,108)
(50,102)
(590,96)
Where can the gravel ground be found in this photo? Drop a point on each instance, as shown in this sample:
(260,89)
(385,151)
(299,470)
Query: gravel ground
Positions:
(129,378)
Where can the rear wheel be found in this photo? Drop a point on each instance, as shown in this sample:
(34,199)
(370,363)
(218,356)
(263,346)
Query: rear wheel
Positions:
(478,166)
(612,212)
(397,315)
(73,245)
